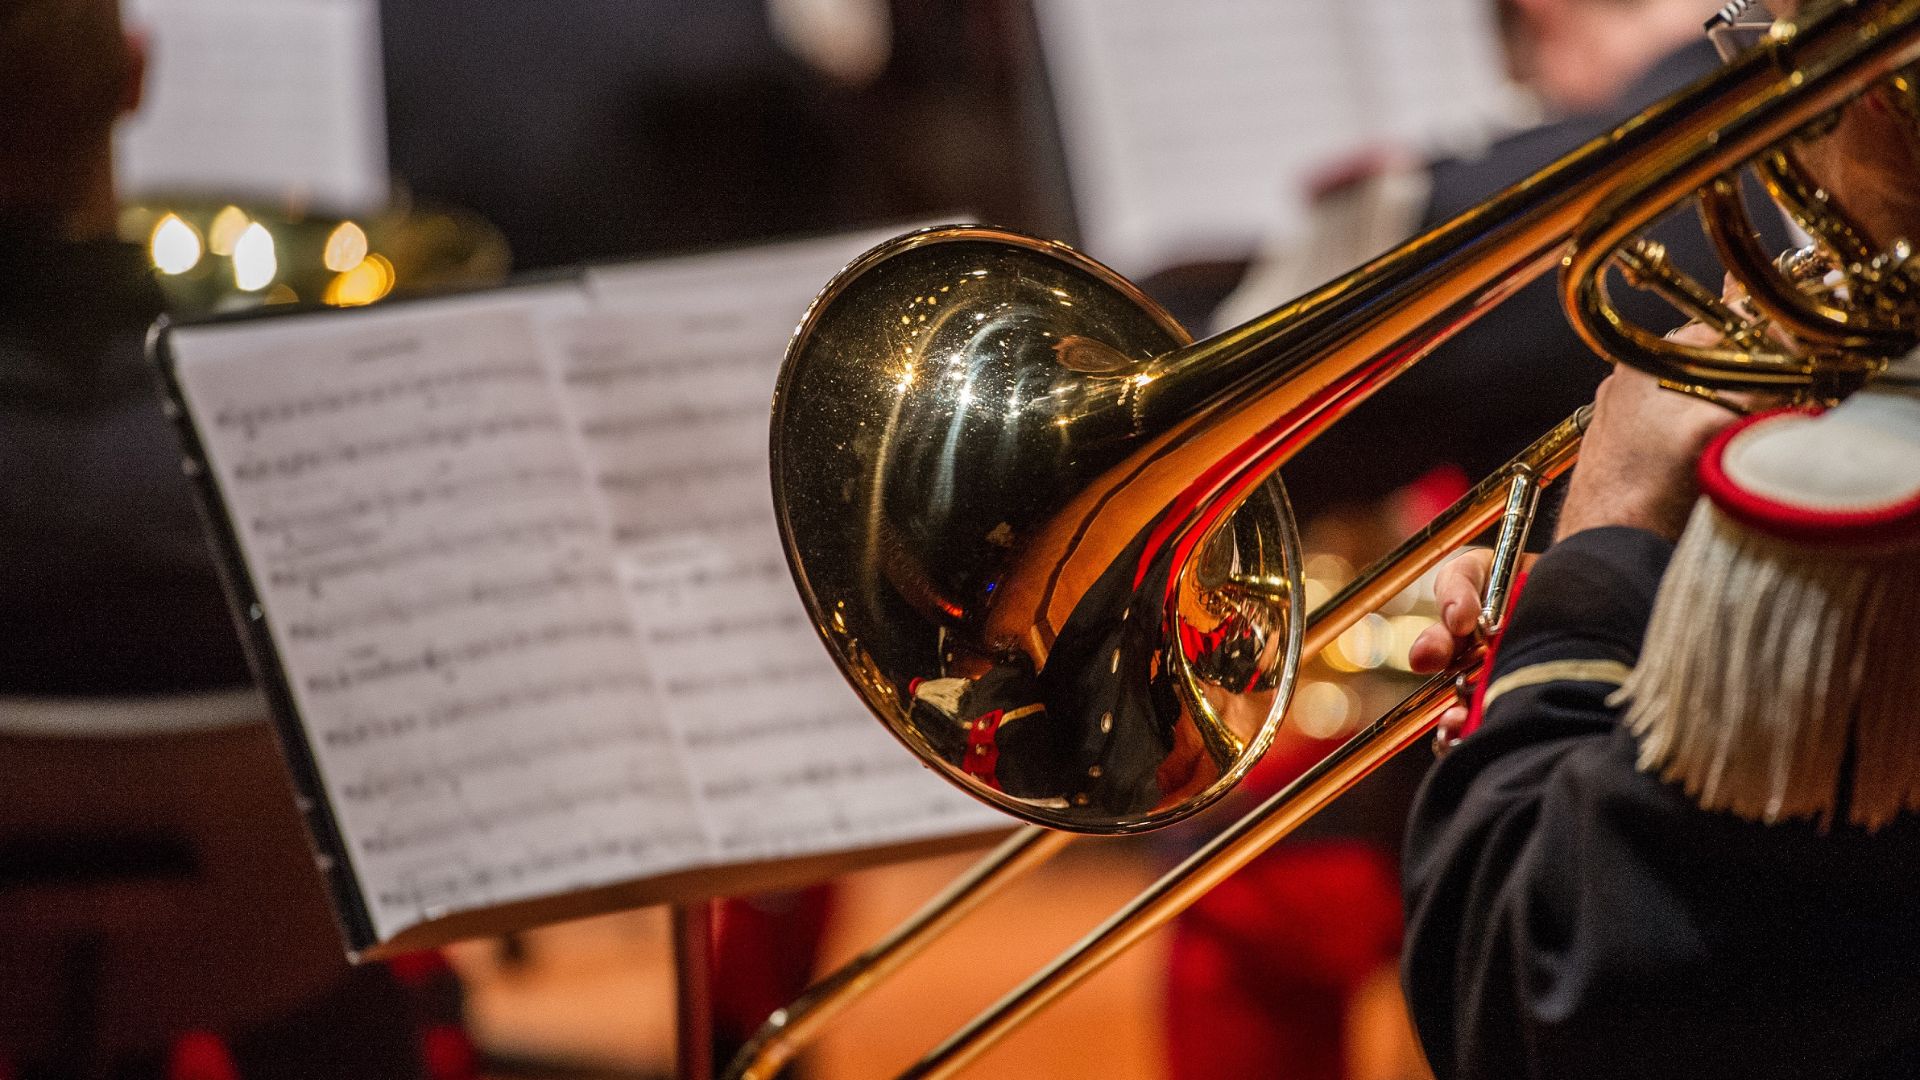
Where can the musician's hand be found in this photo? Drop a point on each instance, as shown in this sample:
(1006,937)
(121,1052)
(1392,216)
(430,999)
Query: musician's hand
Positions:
(1637,461)
(1459,589)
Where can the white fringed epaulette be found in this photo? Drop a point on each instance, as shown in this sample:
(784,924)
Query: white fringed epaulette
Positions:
(1780,675)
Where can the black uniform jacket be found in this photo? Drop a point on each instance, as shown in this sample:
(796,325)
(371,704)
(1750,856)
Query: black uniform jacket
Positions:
(1571,917)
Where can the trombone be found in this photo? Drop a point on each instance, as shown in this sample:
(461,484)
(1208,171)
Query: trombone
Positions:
(1037,526)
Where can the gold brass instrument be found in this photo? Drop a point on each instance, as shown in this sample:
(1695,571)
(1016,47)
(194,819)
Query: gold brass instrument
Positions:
(212,256)
(1039,531)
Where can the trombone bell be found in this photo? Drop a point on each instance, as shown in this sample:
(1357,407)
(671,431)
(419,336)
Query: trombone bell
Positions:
(953,463)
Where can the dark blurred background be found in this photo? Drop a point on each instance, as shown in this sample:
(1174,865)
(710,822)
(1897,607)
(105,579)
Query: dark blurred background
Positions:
(590,129)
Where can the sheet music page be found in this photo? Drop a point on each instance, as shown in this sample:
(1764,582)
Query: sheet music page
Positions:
(784,759)
(671,383)
(279,100)
(1191,129)
(436,574)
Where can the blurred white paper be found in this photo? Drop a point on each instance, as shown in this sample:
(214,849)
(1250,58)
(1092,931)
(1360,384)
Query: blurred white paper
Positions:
(1191,129)
(273,100)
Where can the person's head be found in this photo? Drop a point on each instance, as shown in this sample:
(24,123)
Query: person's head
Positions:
(70,72)
(1580,55)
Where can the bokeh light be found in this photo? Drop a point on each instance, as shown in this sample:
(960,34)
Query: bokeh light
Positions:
(369,280)
(346,248)
(254,261)
(225,231)
(175,246)
(1363,647)
(1324,710)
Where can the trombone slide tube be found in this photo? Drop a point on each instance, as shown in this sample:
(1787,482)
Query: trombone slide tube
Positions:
(793,1028)
(1491,501)
(1400,728)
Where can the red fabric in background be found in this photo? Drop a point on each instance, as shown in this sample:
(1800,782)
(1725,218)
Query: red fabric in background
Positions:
(448,1053)
(201,1055)
(1264,969)
(765,951)
(1421,501)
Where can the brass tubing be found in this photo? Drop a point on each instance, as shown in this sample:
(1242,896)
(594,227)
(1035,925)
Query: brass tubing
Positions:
(1791,187)
(1821,84)
(1645,266)
(1836,230)
(1724,218)
(792,1028)
(1181,887)
(1548,457)
(1516,521)
(1705,367)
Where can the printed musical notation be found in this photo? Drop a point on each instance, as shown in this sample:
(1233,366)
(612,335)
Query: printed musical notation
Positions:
(445,609)
(675,448)
(519,565)
(782,755)
(785,759)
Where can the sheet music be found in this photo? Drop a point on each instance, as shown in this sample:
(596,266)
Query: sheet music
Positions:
(436,573)
(671,382)
(516,552)
(280,100)
(784,760)
(671,379)
(1191,129)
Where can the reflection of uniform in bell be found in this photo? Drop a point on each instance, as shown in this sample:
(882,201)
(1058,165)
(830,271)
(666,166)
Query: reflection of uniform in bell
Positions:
(992,728)
(1100,727)
(1115,681)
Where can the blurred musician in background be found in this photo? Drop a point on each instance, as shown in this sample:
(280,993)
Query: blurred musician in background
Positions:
(162,915)
(1680,837)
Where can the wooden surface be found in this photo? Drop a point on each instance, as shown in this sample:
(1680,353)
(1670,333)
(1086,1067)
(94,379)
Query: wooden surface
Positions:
(598,993)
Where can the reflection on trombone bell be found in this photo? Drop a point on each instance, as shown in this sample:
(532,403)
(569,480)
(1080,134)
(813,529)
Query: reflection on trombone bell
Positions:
(960,501)
(995,729)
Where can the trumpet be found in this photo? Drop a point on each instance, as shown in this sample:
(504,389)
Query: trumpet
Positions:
(1038,527)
